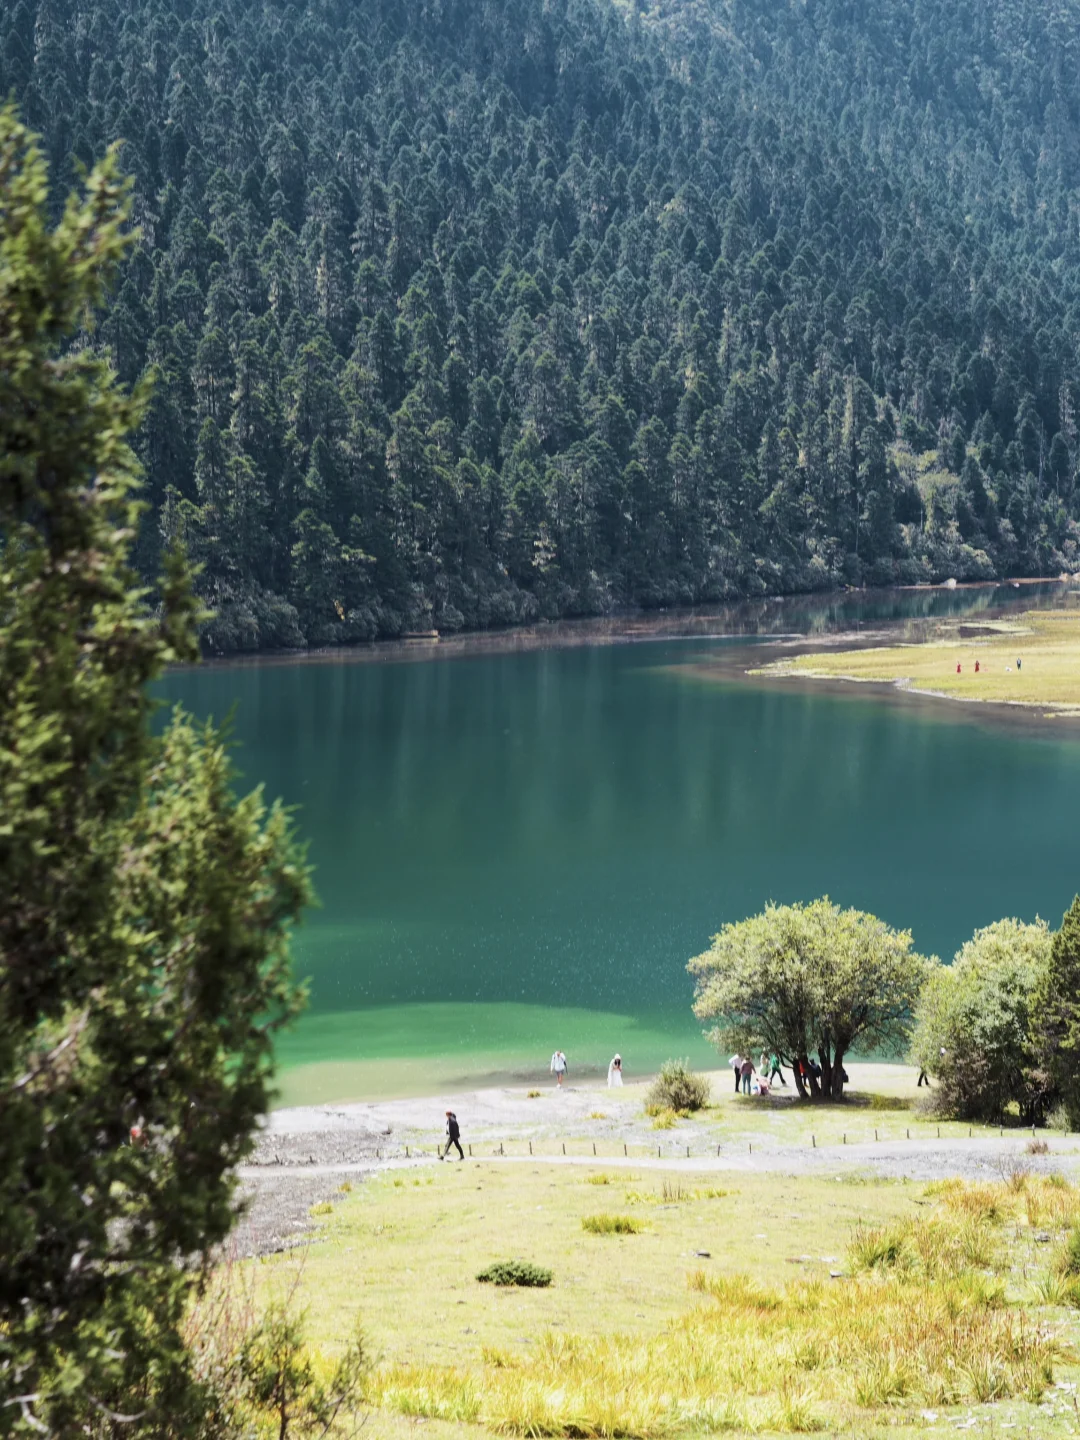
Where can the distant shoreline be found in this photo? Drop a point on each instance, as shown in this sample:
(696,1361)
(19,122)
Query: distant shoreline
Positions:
(746,618)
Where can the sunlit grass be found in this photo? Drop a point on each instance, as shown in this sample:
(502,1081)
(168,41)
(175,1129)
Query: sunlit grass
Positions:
(833,1301)
(1046,641)
(921,1318)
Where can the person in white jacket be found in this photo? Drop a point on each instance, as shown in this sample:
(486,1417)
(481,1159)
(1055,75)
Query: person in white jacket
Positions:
(614,1072)
(558,1066)
(736,1064)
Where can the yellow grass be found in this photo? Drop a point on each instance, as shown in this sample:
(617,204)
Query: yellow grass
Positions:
(919,1322)
(945,1296)
(1046,641)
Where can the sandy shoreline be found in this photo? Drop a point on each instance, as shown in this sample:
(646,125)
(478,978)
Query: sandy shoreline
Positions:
(305,1155)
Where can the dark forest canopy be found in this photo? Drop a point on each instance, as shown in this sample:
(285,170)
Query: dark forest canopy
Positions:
(468,312)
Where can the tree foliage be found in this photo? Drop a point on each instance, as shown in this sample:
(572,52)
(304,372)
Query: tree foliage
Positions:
(975,1023)
(1056,1017)
(144,910)
(803,981)
(472,312)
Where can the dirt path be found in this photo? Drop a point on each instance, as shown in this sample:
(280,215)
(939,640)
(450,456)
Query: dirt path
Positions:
(304,1156)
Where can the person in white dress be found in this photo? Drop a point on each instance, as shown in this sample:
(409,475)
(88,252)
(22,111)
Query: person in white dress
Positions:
(558,1066)
(614,1072)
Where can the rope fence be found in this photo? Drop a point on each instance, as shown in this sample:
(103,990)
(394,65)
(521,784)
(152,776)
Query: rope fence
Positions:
(577,1148)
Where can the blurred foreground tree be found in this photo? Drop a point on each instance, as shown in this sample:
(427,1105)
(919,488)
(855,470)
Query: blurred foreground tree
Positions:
(144,910)
(804,981)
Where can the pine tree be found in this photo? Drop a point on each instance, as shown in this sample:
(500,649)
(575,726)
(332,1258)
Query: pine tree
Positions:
(144,910)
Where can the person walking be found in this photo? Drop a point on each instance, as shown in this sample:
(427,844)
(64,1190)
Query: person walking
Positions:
(453,1136)
(736,1064)
(558,1067)
(774,1069)
(923,1079)
(746,1069)
(614,1072)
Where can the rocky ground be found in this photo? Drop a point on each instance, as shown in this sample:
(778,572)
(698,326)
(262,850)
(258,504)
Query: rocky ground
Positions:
(304,1156)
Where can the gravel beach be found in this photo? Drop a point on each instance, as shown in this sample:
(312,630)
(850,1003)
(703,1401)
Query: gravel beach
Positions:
(304,1156)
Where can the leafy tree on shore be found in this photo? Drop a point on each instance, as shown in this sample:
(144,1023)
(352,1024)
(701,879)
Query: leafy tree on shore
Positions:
(1056,1016)
(977,1021)
(144,909)
(810,981)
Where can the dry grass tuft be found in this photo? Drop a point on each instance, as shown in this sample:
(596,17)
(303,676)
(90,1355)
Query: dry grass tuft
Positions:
(605,1224)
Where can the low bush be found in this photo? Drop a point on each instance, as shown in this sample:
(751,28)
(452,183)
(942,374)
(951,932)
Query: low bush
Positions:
(516,1272)
(678,1088)
(611,1225)
(1037,1147)
(663,1119)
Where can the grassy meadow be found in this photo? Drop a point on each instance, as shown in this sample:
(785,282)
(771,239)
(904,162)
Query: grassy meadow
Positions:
(1047,642)
(743,1304)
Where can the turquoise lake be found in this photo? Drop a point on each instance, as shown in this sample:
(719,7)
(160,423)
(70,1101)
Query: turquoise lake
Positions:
(517,850)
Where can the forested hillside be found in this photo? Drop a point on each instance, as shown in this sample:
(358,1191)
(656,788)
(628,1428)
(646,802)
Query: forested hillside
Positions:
(468,312)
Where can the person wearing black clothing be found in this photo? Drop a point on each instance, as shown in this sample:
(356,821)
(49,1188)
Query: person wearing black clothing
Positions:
(453,1134)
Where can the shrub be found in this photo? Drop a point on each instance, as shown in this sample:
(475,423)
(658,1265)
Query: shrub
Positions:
(1037,1147)
(1069,1263)
(516,1272)
(1058,1119)
(611,1225)
(678,1088)
(663,1119)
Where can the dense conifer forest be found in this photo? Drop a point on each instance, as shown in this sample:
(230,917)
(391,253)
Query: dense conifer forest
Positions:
(465,312)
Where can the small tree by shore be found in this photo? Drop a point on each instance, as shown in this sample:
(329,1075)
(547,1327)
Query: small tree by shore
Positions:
(810,981)
(974,1032)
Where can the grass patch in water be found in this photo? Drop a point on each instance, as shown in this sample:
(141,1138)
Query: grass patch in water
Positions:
(1046,641)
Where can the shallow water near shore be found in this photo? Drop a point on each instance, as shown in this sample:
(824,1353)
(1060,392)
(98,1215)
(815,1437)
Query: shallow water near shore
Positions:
(518,849)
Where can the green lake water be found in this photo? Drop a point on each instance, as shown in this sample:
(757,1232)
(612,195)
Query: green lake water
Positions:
(519,851)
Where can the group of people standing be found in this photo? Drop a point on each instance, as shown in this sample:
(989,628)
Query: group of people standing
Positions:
(754,1079)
